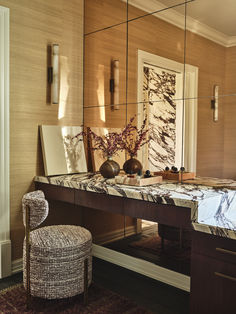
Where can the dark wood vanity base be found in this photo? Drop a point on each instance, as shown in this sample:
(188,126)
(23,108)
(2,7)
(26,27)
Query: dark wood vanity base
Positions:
(171,215)
(213,258)
(213,274)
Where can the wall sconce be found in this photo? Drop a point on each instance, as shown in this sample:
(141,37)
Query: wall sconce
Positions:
(53,74)
(215,103)
(114,84)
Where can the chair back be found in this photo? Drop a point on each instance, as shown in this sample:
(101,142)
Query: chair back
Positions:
(38,208)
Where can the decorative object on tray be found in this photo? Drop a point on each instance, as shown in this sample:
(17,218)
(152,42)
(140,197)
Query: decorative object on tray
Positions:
(175,174)
(109,145)
(147,174)
(63,149)
(132,140)
(97,156)
(137,180)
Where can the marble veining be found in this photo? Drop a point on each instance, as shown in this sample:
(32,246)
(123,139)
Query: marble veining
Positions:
(160,89)
(213,210)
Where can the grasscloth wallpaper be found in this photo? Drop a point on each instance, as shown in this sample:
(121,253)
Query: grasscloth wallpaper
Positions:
(33,26)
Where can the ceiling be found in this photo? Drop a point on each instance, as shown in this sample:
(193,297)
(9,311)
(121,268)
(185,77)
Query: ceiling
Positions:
(217,14)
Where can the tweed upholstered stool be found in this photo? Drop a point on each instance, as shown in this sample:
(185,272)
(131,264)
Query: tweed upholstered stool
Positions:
(57,259)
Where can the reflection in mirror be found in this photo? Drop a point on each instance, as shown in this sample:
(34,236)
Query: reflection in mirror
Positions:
(211,42)
(156,38)
(211,46)
(167,42)
(229,104)
(156,59)
(149,7)
(169,75)
(101,49)
(102,14)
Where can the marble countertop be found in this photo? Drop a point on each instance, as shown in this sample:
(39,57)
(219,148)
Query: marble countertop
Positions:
(212,201)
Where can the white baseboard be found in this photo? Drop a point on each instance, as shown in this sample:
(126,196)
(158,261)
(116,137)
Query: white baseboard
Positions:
(143,267)
(114,235)
(5,258)
(17,266)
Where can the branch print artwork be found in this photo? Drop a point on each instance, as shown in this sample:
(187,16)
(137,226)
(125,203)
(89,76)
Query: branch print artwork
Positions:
(159,88)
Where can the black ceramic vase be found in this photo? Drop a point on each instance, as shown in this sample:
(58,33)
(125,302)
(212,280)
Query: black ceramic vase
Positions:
(132,166)
(110,168)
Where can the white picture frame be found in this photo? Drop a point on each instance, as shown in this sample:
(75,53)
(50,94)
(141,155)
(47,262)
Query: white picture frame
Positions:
(189,144)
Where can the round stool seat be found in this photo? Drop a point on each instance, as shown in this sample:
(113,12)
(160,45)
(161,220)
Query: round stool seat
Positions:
(57,255)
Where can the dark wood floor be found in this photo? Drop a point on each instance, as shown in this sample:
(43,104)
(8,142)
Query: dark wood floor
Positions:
(151,294)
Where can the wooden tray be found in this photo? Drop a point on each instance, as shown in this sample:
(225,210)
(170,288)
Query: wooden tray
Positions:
(180,176)
(137,181)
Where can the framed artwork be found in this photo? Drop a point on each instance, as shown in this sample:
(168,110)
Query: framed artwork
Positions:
(171,117)
(62,152)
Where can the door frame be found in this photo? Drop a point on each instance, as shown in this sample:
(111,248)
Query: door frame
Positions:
(5,243)
(190,101)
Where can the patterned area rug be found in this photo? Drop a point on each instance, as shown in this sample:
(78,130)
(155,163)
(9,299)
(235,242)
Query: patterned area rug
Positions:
(171,248)
(101,301)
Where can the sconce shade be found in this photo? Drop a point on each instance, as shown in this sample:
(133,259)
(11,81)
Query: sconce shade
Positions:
(55,66)
(53,74)
(215,103)
(114,84)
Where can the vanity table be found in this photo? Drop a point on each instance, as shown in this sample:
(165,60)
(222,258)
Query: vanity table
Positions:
(209,212)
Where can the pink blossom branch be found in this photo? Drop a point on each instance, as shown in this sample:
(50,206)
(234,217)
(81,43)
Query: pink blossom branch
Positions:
(132,138)
(109,144)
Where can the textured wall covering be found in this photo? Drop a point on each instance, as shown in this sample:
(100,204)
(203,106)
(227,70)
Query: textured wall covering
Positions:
(34,25)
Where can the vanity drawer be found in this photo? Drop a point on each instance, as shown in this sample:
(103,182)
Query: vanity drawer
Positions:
(212,269)
(213,285)
(217,247)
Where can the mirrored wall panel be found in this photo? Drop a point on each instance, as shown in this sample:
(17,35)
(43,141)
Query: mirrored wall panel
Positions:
(139,8)
(211,50)
(210,44)
(105,68)
(155,88)
(102,14)
(135,71)
(155,46)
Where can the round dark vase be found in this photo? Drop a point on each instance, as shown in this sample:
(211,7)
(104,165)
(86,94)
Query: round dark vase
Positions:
(110,168)
(132,166)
